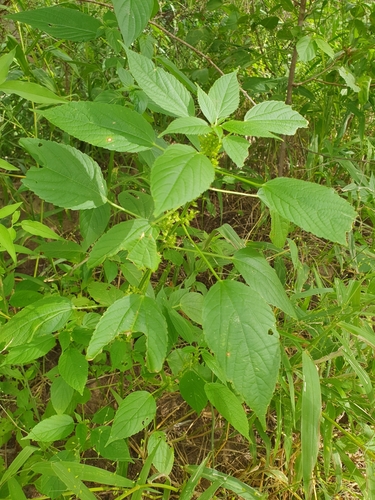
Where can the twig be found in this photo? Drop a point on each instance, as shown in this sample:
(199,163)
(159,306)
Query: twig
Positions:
(198,52)
(314,77)
(336,158)
(288,100)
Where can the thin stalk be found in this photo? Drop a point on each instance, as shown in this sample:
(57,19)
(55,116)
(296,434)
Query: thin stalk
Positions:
(201,253)
(122,209)
(147,487)
(238,177)
(233,192)
(110,168)
(353,439)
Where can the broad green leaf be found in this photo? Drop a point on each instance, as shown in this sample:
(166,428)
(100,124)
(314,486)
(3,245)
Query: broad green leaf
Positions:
(262,278)
(69,250)
(74,368)
(15,489)
(231,236)
(228,405)
(313,207)
(7,166)
(92,223)
(72,482)
(161,87)
(86,473)
(190,125)
(132,17)
(59,22)
(39,318)
(26,353)
(5,62)
(61,395)
(178,176)
(104,293)
(231,483)
(208,107)
(364,82)
(143,251)
(237,149)
(116,450)
(267,119)
(325,47)
(250,129)
(139,203)
(108,126)
(172,68)
(30,91)
(9,209)
(68,179)
(288,5)
(240,330)
(348,77)
(310,420)
(7,243)
(52,429)
(225,95)
(279,229)
(180,326)
(192,390)
(116,239)
(191,305)
(38,229)
(164,455)
(134,413)
(306,48)
(133,313)
(276,117)
(136,236)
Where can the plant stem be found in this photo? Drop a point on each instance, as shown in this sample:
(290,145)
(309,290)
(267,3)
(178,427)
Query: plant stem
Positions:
(200,253)
(123,209)
(234,192)
(289,93)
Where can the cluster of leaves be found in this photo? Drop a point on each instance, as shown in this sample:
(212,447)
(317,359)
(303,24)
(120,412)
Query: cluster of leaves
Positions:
(138,290)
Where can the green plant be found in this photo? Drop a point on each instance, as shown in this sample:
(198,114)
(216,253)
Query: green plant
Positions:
(135,301)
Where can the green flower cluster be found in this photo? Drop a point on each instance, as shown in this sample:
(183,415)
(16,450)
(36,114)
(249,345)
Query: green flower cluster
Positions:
(210,146)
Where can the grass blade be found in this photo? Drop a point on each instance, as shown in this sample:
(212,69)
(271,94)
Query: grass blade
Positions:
(310,420)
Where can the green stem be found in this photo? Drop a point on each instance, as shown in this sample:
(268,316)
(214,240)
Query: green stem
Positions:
(353,439)
(238,177)
(200,253)
(84,308)
(110,168)
(233,192)
(147,487)
(122,209)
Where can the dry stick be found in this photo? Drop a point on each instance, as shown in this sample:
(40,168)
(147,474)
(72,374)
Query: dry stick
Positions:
(315,77)
(180,40)
(288,100)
